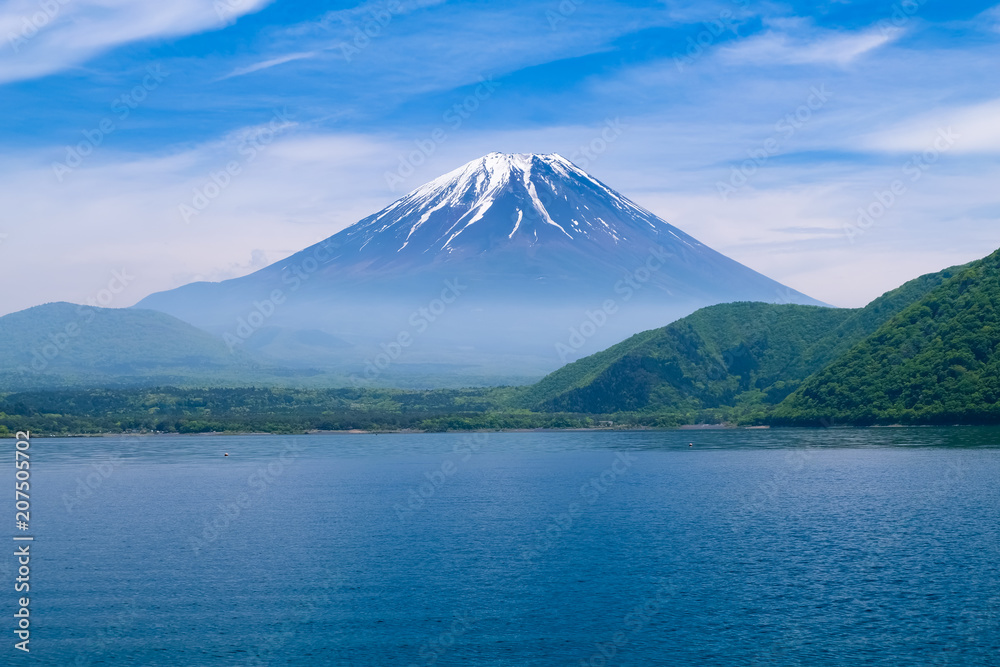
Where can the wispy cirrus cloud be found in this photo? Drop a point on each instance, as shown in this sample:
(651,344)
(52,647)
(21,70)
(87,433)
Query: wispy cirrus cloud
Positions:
(44,38)
(814,47)
(423,47)
(288,190)
(269,63)
(975,126)
(990,18)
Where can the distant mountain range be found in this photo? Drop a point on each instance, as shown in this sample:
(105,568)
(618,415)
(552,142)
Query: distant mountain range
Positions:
(65,345)
(511,257)
(499,271)
(925,353)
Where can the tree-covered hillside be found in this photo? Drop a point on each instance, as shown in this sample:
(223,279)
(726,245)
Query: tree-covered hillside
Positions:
(745,355)
(937,361)
(708,359)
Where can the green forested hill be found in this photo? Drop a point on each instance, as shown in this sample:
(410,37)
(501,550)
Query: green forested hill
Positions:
(937,361)
(707,359)
(732,354)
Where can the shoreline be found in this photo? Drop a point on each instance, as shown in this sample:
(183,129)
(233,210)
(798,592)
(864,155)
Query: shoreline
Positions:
(686,427)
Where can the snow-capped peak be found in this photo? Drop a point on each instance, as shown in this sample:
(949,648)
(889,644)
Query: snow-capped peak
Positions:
(493,171)
(514,200)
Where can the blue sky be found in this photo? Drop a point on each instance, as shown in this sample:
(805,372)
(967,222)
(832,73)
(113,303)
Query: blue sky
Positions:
(841,148)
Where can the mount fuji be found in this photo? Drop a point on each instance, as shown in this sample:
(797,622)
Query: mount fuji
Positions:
(499,271)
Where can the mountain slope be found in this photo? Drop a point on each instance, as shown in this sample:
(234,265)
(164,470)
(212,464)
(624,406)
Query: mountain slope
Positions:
(705,360)
(720,356)
(517,217)
(63,344)
(936,361)
(484,271)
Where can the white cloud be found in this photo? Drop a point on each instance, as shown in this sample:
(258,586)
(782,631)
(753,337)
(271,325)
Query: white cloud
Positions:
(976,129)
(123,211)
(272,62)
(990,19)
(40,38)
(783,48)
(798,234)
(369,49)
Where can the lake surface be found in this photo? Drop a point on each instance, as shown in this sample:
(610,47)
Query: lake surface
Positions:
(781,547)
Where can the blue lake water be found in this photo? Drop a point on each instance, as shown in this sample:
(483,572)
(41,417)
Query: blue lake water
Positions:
(782,547)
